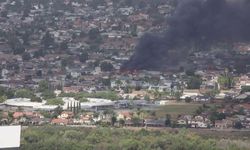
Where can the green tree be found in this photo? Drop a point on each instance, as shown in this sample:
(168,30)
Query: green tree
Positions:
(9,93)
(26,8)
(73,135)
(64,45)
(113,120)
(131,144)
(106,66)
(94,34)
(157,94)
(15,44)
(147,97)
(241,111)
(55,101)
(106,81)
(211,93)
(188,99)
(66,61)
(65,138)
(43,86)
(25,38)
(134,30)
(121,122)
(190,72)
(84,56)
(3,98)
(199,110)
(48,94)
(136,121)
(57,112)
(47,40)
(2,90)
(39,53)
(238,125)
(6,92)
(194,82)
(17,48)
(26,56)
(216,116)
(226,81)
(26,93)
(83,99)
(168,120)
(177,95)
(4,14)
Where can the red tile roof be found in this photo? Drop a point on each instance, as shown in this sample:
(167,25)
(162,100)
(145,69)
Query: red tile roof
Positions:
(17,115)
(60,121)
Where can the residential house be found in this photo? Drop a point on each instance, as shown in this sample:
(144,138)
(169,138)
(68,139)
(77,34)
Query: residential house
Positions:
(199,122)
(87,118)
(60,121)
(184,120)
(71,89)
(66,115)
(242,48)
(190,93)
(243,97)
(125,115)
(246,123)
(18,115)
(246,108)
(243,81)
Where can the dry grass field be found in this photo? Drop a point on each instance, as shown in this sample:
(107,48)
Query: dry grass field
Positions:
(177,109)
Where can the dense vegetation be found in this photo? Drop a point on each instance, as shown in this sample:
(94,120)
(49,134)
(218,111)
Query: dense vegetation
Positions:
(55,101)
(65,138)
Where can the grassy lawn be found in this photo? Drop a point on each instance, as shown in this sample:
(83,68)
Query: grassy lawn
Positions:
(177,109)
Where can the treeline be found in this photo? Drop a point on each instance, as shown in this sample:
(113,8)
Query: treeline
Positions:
(66,138)
(43,88)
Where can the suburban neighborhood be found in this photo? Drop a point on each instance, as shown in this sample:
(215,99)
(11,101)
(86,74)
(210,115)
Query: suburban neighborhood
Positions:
(125,74)
(61,65)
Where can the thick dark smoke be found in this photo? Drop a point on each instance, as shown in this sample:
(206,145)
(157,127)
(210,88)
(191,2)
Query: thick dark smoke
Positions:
(194,22)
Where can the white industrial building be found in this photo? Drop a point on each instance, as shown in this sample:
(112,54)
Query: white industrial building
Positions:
(97,104)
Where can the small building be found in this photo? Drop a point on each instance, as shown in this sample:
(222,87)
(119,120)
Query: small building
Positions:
(124,115)
(95,104)
(66,115)
(190,93)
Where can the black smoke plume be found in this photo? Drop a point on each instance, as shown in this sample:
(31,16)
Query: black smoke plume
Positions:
(194,22)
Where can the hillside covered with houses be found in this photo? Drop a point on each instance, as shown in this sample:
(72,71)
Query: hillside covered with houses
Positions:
(60,64)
